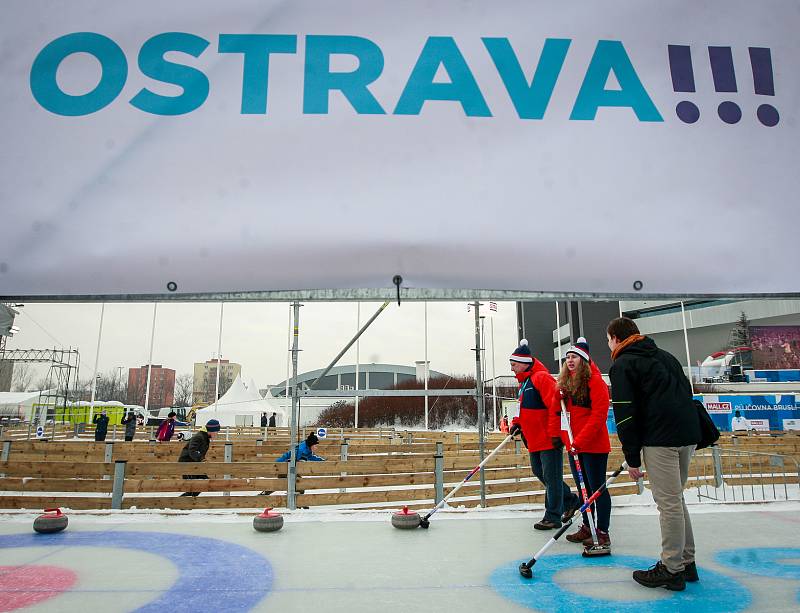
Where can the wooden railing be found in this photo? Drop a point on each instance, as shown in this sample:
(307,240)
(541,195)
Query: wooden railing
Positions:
(383,469)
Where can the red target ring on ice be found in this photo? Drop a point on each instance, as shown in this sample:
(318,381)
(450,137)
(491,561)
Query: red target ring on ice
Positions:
(23,586)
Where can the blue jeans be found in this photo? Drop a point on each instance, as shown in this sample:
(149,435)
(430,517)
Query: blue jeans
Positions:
(594,467)
(548,466)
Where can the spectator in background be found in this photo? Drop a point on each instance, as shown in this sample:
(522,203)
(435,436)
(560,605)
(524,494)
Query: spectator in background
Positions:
(656,422)
(101,426)
(504,424)
(272,420)
(263,420)
(304,452)
(129,421)
(197,447)
(739,423)
(167,428)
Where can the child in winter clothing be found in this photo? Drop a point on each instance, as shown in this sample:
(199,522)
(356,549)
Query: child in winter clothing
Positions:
(304,452)
(167,428)
(197,447)
(538,424)
(585,397)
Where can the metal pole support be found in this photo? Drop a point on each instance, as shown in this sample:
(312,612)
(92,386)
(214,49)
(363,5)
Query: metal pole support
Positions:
(717,457)
(6,453)
(343,458)
(119,484)
(228,460)
(259,443)
(109,455)
(438,473)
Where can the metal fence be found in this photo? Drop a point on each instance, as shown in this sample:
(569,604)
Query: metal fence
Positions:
(731,475)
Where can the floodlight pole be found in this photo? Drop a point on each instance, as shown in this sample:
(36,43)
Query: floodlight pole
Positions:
(358,363)
(291,501)
(686,342)
(426,365)
(150,360)
(219,355)
(480,399)
(96,362)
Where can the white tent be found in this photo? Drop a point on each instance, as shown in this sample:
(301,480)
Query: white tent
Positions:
(18,404)
(241,405)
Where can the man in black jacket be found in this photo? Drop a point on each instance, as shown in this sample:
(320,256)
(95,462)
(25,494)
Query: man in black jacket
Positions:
(197,447)
(656,422)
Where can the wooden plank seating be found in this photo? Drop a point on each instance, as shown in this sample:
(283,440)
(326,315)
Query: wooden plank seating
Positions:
(383,467)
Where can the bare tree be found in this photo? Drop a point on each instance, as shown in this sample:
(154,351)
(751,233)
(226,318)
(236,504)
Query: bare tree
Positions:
(21,377)
(183,389)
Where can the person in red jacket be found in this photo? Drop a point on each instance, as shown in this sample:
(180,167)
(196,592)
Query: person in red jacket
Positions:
(539,426)
(586,399)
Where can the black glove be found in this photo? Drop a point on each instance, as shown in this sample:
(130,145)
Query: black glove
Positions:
(515,429)
(557,442)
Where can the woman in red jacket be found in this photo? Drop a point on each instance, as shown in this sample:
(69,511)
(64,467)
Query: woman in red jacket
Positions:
(586,399)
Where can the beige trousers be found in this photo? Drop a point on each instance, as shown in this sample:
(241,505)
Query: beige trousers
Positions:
(668,470)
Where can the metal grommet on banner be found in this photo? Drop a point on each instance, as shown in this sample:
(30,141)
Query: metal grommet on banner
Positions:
(172,286)
(397,280)
(638,285)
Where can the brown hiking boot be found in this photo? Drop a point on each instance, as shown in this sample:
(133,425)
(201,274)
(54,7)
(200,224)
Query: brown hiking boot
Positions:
(579,536)
(546,524)
(602,539)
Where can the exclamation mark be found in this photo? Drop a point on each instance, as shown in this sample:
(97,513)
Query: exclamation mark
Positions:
(724,81)
(680,67)
(764,84)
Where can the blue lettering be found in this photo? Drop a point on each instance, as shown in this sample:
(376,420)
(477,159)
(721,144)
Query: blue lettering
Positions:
(255,73)
(442,51)
(44,85)
(611,55)
(152,64)
(319,80)
(530,100)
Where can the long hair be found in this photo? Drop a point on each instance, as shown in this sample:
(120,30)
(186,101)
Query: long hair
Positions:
(577,385)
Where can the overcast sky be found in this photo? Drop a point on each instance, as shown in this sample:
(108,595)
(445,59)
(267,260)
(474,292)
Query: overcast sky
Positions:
(256,335)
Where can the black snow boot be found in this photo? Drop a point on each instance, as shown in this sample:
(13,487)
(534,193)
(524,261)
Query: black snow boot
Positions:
(658,576)
(690,573)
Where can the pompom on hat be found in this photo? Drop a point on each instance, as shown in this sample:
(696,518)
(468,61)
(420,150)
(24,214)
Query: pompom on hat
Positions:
(581,349)
(522,353)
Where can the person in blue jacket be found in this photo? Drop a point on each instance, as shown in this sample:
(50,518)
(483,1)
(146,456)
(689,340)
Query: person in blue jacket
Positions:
(304,451)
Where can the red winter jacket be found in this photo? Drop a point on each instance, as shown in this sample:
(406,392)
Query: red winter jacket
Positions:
(536,417)
(588,422)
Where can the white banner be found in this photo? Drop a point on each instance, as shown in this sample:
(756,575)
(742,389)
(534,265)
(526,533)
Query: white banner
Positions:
(196,146)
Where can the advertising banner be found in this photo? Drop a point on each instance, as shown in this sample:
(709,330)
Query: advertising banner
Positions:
(202,146)
(774,409)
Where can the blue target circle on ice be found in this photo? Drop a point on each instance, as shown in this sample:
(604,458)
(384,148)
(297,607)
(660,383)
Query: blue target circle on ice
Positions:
(715,593)
(766,561)
(214,575)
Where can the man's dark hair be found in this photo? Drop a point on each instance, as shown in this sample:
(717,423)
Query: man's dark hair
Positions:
(621,328)
(171,414)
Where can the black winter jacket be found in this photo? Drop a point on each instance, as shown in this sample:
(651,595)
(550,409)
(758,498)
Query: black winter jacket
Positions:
(197,447)
(652,401)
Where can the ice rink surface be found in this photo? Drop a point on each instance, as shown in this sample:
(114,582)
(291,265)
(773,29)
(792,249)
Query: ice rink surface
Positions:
(748,558)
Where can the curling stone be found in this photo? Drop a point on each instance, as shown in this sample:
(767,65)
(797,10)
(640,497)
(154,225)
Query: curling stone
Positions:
(268,521)
(405,520)
(52,520)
